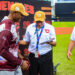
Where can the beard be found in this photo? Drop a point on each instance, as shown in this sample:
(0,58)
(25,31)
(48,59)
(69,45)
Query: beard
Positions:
(16,19)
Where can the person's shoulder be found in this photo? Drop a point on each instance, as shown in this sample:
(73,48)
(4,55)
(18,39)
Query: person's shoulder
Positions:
(7,21)
(74,29)
(4,18)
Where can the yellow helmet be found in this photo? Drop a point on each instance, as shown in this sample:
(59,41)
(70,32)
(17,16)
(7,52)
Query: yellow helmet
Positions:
(20,8)
(39,16)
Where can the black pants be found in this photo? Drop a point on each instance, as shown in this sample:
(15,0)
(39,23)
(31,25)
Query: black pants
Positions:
(42,65)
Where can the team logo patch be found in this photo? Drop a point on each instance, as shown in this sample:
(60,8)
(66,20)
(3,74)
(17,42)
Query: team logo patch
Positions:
(47,30)
(38,15)
(17,9)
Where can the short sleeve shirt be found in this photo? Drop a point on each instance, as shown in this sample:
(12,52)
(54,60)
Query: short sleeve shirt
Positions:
(47,35)
(73,34)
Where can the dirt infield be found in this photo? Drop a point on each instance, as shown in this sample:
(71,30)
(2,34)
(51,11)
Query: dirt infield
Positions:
(63,30)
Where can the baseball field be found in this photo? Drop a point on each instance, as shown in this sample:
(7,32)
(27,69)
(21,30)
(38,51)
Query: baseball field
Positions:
(63,31)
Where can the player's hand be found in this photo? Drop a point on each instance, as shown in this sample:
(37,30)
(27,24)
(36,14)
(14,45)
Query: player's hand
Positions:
(69,54)
(44,43)
(25,65)
(47,42)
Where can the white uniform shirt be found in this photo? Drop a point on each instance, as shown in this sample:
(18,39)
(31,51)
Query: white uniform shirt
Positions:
(47,35)
(73,34)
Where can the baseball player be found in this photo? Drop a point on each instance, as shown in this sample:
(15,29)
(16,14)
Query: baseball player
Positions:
(9,61)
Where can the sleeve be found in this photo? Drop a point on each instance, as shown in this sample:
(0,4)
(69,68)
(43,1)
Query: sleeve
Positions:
(6,24)
(2,27)
(9,26)
(27,36)
(14,60)
(73,34)
(52,34)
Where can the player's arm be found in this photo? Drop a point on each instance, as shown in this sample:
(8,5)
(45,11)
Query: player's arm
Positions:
(8,56)
(53,43)
(53,37)
(70,47)
(71,44)
(15,61)
(23,42)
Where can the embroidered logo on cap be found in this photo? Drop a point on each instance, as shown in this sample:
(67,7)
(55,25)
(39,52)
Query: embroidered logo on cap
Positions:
(17,9)
(38,15)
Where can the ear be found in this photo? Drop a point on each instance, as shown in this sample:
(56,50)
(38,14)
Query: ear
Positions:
(45,17)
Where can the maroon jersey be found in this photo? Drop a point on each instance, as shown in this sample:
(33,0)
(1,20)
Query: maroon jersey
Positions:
(8,48)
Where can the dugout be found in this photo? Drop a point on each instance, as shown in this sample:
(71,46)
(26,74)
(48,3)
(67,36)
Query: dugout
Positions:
(65,11)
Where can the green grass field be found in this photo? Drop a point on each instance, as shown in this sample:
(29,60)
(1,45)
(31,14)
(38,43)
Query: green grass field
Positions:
(66,67)
(63,24)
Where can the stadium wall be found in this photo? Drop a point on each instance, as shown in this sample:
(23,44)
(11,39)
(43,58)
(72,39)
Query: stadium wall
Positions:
(65,11)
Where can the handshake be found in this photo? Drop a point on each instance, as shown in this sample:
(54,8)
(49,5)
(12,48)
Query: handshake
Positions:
(25,65)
